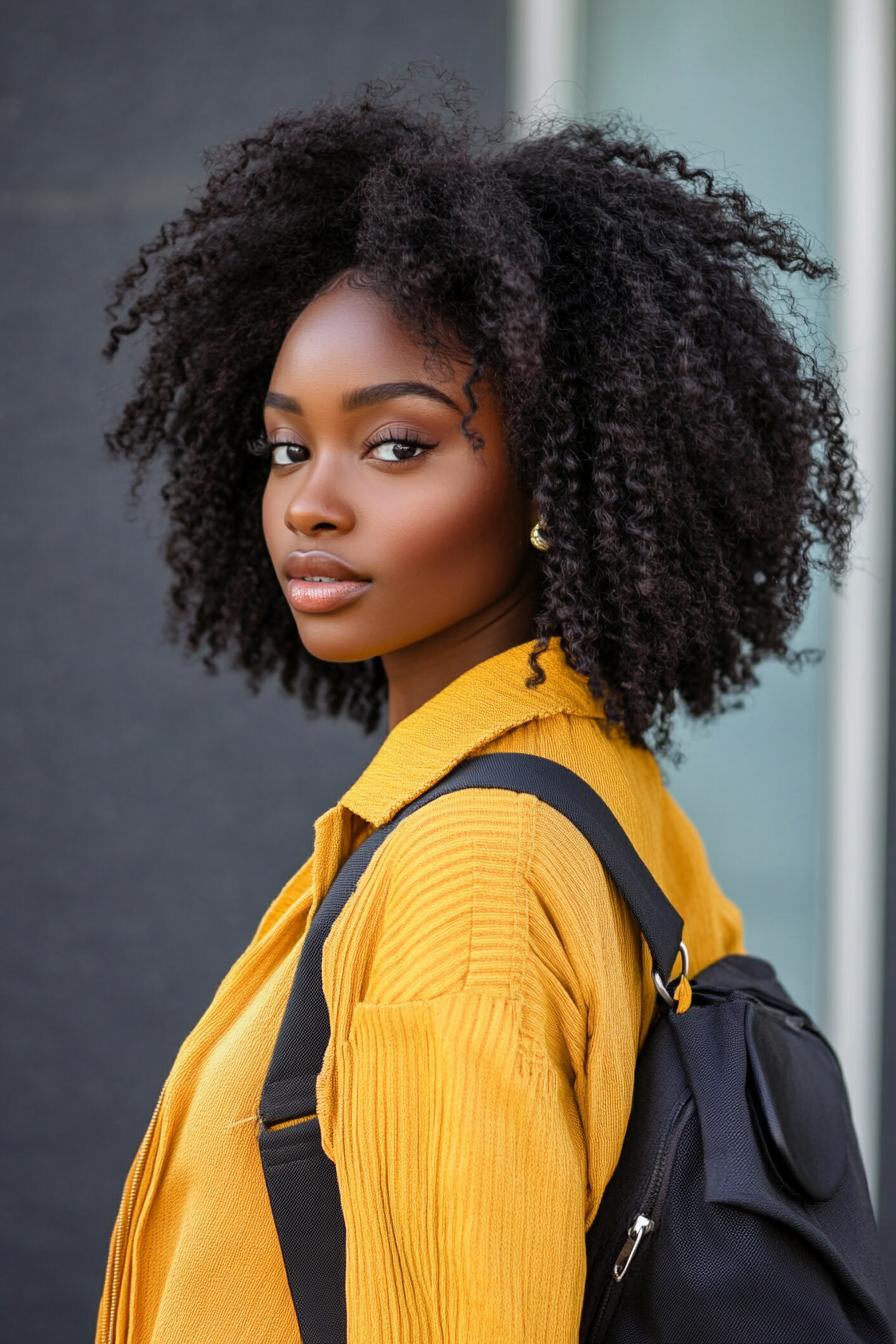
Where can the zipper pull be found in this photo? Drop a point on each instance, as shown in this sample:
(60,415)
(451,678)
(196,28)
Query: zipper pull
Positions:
(638,1230)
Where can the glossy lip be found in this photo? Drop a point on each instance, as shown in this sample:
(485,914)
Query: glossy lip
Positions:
(323,564)
(318,597)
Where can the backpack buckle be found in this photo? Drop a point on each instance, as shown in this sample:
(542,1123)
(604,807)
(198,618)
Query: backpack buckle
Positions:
(666,991)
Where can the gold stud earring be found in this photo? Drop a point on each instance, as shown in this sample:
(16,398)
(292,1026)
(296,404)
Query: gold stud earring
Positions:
(537,537)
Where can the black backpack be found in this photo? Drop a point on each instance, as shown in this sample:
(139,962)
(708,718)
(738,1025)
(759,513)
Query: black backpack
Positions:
(739,1210)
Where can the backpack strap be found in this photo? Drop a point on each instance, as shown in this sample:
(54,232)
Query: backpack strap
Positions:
(300,1177)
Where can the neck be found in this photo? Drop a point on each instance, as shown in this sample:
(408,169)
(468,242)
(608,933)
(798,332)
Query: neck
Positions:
(419,671)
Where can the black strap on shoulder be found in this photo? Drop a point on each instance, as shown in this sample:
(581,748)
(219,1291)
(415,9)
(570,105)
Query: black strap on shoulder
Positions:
(301,1179)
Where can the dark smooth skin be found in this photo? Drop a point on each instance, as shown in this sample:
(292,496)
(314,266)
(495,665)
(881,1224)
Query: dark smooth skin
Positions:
(444,537)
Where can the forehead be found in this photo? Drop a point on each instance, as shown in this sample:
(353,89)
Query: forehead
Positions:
(349,331)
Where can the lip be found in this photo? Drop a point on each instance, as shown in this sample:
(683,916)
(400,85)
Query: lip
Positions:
(320,564)
(318,597)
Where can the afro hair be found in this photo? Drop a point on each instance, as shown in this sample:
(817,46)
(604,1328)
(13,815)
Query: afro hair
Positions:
(662,394)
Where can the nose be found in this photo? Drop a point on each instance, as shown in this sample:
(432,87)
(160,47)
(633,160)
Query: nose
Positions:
(317,501)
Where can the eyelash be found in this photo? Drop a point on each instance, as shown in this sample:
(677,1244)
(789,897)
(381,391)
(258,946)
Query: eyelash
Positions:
(262,447)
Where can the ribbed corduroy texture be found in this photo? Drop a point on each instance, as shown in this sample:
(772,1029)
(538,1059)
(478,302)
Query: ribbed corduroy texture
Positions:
(488,993)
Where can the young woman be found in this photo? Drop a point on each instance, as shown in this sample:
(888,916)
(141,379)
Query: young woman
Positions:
(534,458)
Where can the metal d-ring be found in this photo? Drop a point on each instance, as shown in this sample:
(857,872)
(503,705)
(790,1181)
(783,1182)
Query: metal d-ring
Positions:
(662,989)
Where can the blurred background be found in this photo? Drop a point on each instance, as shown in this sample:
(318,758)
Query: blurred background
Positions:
(152,812)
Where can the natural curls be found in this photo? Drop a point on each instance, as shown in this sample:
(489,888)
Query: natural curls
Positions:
(662,393)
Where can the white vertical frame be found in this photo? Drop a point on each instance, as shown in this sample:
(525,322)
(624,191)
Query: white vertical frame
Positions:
(544,37)
(860,695)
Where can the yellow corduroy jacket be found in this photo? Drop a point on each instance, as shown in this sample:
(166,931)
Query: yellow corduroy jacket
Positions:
(488,993)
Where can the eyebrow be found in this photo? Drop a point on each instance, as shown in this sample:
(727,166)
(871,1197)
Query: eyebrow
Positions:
(368,396)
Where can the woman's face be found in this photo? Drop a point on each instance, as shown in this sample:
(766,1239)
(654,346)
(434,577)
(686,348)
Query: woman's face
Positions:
(441,538)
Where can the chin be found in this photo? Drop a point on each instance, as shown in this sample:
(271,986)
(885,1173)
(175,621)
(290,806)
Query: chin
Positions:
(323,640)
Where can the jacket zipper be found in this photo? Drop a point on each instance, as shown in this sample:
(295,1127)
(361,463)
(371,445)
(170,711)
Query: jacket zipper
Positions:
(644,1221)
(123,1225)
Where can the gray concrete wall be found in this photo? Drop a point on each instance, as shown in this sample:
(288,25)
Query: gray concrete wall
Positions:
(151,812)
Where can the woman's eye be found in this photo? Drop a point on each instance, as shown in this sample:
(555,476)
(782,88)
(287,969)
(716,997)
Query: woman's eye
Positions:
(285,449)
(407,448)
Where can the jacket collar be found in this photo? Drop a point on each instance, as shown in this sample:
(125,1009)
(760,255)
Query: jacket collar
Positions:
(474,708)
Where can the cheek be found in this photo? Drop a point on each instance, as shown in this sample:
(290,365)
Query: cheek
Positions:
(465,534)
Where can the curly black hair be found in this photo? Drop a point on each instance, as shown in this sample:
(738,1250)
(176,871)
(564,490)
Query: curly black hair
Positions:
(663,398)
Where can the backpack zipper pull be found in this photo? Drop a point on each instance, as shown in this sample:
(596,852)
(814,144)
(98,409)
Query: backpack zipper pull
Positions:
(638,1230)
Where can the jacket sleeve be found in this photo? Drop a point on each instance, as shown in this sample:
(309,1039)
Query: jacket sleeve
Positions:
(453,1118)
(460,1166)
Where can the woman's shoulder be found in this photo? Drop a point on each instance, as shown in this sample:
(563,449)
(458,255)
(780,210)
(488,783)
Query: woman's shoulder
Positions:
(471,859)
(460,894)
(481,888)
(565,867)
(445,898)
